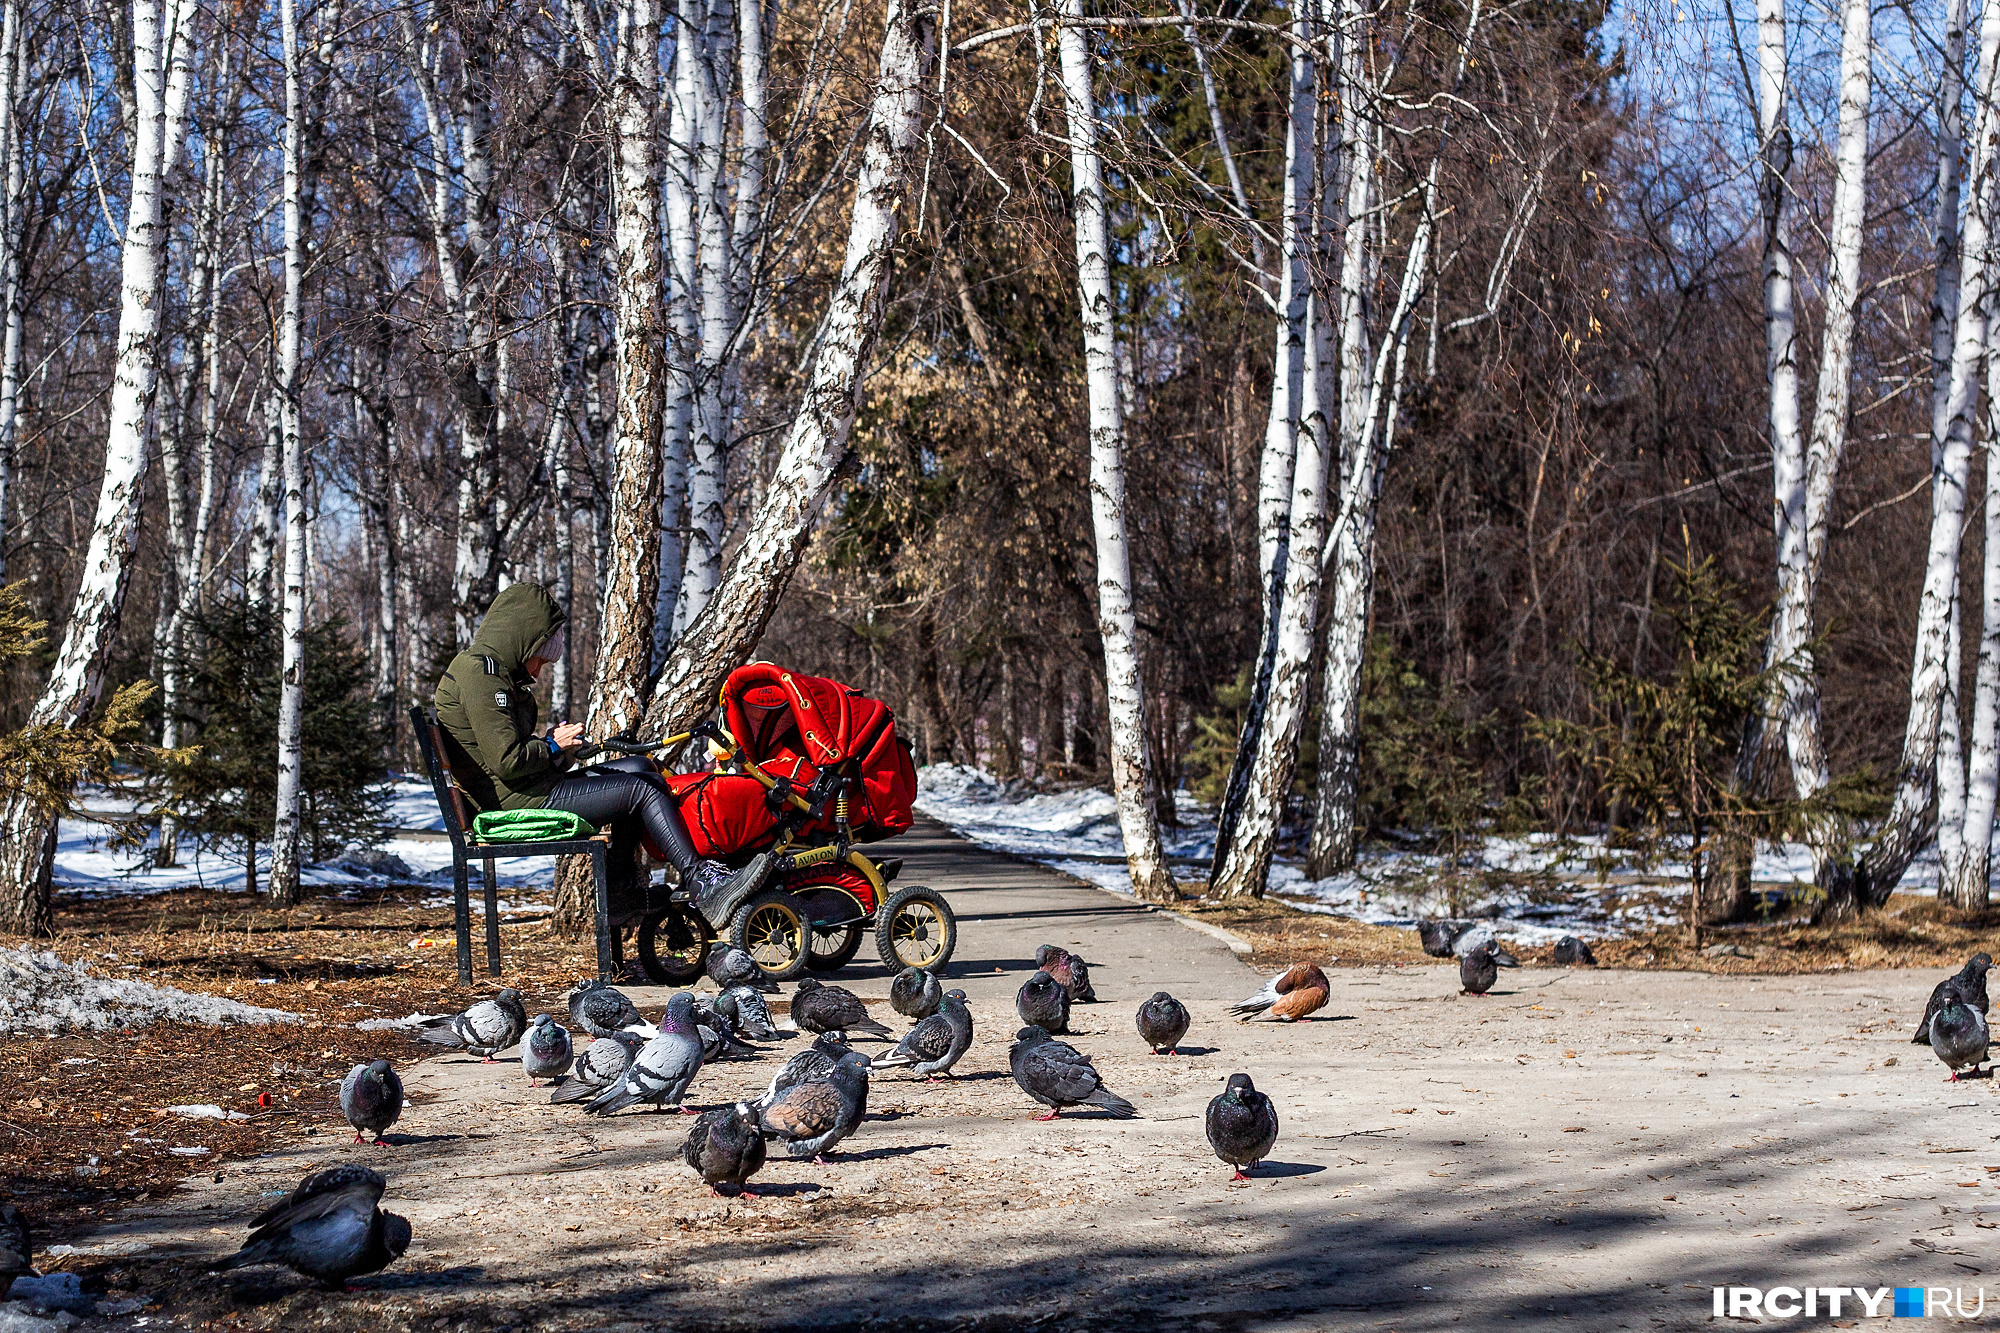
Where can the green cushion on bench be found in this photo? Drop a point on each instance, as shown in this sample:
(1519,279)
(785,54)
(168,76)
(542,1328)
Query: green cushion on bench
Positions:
(529,826)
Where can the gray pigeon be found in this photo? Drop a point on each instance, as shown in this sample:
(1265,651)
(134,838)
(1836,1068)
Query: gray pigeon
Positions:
(1067,968)
(600,1010)
(818,1007)
(17,1248)
(816,1061)
(1042,1002)
(1959,1035)
(936,1043)
(1163,1021)
(747,1013)
(328,1229)
(1570,950)
(546,1051)
(915,993)
(729,966)
(1478,970)
(811,1117)
(1444,938)
(371,1097)
(726,1148)
(602,1064)
(486,1029)
(1242,1124)
(718,1040)
(1056,1074)
(1968,983)
(663,1068)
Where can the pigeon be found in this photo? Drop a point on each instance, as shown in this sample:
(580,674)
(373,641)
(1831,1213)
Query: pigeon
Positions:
(1969,984)
(600,1010)
(371,1097)
(328,1229)
(1299,990)
(486,1029)
(1056,1074)
(726,1148)
(915,994)
(17,1248)
(937,1043)
(816,1061)
(1959,1035)
(602,1064)
(818,1007)
(1570,950)
(663,1068)
(749,1015)
(546,1051)
(1163,1021)
(730,966)
(813,1116)
(718,1039)
(1043,1002)
(1242,1124)
(1478,969)
(1443,939)
(1071,971)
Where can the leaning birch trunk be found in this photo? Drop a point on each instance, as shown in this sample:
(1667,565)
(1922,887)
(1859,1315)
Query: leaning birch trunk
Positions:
(160,78)
(283,883)
(1950,761)
(1846,888)
(1124,695)
(632,569)
(1275,469)
(817,443)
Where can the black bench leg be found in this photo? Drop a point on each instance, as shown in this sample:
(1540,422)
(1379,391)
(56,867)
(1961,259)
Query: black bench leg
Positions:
(601,886)
(492,921)
(461,911)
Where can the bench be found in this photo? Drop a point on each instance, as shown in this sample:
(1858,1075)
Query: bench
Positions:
(458,810)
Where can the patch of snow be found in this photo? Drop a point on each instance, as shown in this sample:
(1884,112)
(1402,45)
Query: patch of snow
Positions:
(388,1024)
(40,992)
(207,1111)
(189,1152)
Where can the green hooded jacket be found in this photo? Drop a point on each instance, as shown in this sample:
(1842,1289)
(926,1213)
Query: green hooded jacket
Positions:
(486,704)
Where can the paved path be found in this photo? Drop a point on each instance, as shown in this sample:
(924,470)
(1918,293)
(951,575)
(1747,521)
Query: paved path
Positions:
(1582,1150)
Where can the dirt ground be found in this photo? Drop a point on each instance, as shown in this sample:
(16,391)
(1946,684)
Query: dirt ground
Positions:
(1582,1149)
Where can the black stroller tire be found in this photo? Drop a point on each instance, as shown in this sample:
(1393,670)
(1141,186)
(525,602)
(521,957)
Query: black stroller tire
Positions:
(916,928)
(675,966)
(775,929)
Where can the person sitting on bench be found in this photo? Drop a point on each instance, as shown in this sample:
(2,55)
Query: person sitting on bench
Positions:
(486,709)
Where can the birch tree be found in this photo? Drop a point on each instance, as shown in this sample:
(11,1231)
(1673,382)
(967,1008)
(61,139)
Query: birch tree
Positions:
(13,234)
(160,78)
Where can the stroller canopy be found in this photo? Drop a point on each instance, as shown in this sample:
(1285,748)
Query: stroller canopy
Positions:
(796,726)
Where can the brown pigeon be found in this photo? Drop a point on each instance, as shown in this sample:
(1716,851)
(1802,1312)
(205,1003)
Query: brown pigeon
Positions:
(1299,990)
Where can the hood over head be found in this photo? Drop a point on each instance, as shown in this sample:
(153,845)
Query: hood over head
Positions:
(522,618)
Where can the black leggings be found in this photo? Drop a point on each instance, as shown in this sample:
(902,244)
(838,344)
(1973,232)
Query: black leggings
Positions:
(633,800)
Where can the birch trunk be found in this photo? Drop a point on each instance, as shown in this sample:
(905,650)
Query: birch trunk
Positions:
(160,79)
(476,556)
(1847,888)
(1944,316)
(283,882)
(1123,690)
(817,442)
(683,347)
(13,233)
(265,501)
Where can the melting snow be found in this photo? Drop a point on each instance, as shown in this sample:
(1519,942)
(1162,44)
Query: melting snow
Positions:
(40,992)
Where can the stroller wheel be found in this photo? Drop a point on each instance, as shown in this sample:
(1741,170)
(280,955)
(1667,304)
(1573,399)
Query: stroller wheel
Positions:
(673,946)
(916,928)
(774,928)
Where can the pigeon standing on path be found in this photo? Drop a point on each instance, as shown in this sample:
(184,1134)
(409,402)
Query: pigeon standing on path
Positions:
(816,1061)
(813,1116)
(1163,1021)
(1478,970)
(600,1010)
(328,1229)
(915,994)
(725,1148)
(486,1029)
(746,1012)
(664,1067)
(602,1064)
(1570,950)
(937,1043)
(1299,990)
(17,1248)
(818,1007)
(1959,1035)
(1056,1074)
(729,966)
(371,1097)
(1968,983)
(546,1051)
(1242,1124)
(1043,1002)
(1067,968)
